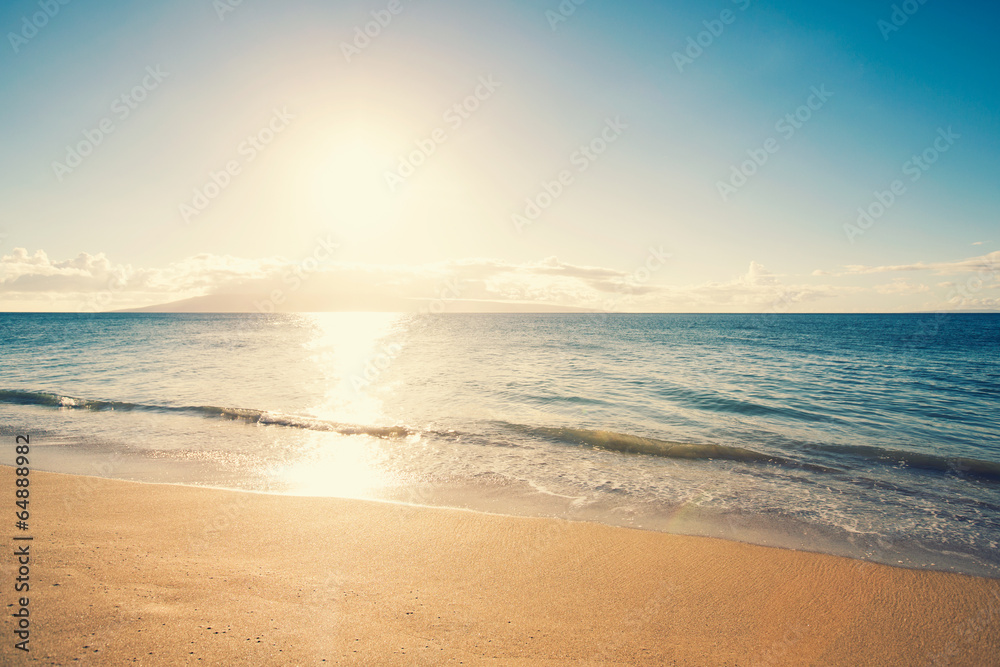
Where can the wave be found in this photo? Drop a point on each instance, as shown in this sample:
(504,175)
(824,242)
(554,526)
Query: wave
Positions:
(932,462)
(635,444)
(624,443)
(713,401)
(248,415)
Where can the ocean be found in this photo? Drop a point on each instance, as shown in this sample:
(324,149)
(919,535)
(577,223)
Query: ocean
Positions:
(870,436)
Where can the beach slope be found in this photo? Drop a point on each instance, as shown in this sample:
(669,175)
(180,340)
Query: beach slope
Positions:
(160,574)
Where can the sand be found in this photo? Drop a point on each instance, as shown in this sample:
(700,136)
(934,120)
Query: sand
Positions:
(159,574)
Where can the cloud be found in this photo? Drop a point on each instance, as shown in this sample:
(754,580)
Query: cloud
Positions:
(758,275)
(966,303)
(93,282)
(323,282)
(22,272)
(900,286)
(602,289)
(989,263)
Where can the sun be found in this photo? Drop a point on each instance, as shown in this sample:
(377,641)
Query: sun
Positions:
(349,185)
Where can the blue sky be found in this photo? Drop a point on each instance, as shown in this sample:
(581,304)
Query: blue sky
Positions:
(664,213)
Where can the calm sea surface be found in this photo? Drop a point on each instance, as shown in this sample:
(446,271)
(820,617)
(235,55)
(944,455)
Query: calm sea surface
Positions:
(874,436)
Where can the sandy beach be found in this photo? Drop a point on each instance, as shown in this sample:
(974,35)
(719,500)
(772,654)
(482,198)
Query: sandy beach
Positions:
(159,574)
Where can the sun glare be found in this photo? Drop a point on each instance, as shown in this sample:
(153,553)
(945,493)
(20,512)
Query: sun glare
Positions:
(350,187)
(345,468)
(353,352)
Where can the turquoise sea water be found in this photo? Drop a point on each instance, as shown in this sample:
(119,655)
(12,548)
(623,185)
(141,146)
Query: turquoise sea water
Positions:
(874,436)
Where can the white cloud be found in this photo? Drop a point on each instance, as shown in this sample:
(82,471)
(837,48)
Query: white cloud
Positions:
(989,263)
(93,282)
(900,286)
(758,275)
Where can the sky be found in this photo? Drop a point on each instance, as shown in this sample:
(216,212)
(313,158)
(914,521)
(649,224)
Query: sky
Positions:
(724,156)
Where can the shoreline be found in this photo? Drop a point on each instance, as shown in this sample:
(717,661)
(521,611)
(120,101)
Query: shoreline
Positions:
(518,499)
(482,500)
(170,573)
